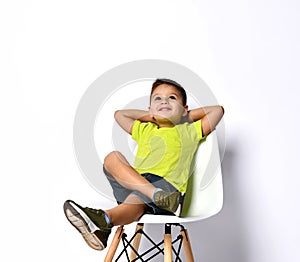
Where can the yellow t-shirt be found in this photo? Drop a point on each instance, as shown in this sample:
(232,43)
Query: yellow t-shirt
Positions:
(167,152)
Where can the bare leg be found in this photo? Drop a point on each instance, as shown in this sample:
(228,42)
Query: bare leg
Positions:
(129,211)
(117,165)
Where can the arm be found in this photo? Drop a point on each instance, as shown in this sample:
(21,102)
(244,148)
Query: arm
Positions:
(210,116)
(125,118)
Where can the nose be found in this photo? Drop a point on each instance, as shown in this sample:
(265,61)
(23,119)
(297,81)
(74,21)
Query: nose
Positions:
(164,100)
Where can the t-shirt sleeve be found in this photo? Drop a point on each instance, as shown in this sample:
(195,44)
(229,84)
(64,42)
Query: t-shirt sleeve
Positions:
(198,125)
(137,129)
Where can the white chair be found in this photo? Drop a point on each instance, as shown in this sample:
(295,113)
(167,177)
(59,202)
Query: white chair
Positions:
(204,198)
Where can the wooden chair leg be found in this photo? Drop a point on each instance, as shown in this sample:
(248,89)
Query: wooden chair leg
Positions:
(114,244)
(168,244)
(187,246)
(136,241)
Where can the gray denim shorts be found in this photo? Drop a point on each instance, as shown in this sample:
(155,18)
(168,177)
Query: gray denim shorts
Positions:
(121,193)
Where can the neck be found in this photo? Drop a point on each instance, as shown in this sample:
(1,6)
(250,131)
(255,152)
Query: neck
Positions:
(165,123)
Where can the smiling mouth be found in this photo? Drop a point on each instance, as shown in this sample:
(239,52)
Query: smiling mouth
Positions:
(165,109)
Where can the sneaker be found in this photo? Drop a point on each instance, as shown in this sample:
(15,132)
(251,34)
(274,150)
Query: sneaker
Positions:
(167,201)
(90,223)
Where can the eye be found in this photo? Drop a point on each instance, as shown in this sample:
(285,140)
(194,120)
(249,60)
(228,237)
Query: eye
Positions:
(172,97)
(157,98)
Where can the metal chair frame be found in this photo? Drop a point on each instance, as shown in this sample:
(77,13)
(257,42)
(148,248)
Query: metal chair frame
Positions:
(172,246)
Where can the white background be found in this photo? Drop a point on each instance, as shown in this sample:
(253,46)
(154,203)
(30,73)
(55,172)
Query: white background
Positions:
(246,51)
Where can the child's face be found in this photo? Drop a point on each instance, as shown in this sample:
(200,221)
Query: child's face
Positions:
(166,105)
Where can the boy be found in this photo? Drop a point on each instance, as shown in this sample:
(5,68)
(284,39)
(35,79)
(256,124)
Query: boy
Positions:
(168,135)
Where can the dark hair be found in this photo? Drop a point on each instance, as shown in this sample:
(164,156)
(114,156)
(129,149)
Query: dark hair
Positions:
(161,81)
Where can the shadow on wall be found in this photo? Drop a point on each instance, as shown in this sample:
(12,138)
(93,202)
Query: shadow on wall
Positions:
(223,237)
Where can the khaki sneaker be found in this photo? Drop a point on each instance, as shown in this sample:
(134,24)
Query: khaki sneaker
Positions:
(90,223)
(167,201)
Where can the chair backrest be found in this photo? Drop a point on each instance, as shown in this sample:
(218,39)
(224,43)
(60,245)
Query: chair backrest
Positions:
(204,196)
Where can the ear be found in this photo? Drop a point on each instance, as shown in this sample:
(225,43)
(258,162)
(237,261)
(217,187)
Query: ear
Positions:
(150,111)
(185,112)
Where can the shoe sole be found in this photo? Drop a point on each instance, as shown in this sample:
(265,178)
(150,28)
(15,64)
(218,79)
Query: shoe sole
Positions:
(83,224)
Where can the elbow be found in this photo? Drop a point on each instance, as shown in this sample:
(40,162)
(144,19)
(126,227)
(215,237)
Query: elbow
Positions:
(220,113)
(222,110)
(116,114)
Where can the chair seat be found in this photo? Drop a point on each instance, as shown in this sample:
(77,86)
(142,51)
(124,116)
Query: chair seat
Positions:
(162,219)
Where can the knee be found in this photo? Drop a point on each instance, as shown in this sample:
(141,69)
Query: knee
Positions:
(110,160)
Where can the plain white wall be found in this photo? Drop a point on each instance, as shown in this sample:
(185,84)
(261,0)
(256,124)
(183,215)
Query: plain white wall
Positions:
(246,51)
